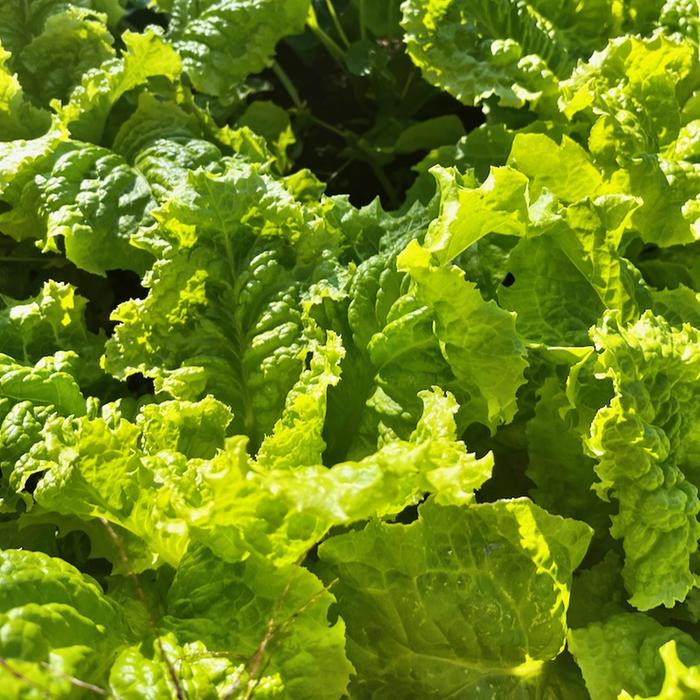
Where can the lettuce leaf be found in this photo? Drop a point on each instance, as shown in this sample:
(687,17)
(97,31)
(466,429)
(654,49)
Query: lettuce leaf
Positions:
(222,41)
(235,254)
(59,630)
(632,664)
(279,618)
(145,56)
(462,601)
(513,51)
(82,197)
(645,444)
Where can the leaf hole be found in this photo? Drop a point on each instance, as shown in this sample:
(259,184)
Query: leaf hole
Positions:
(508,280)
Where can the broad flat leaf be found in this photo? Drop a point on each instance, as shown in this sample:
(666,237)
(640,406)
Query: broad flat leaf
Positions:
(555,303)
(597,594)
(465,601)
(562,168)
(561,281)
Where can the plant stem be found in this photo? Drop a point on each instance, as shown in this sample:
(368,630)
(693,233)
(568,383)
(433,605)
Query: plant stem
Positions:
(13,259)
(363,31)
(384,182)
(336,22)
(332,48)
(344,134)
(407,85)
(288,85)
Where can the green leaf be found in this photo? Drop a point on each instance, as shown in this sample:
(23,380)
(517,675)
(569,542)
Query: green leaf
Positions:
(235,253)
(53,43)
(646,444)
(468,601)
(679,18)
(197,430)
(51,321)
(477,338)
(146,56)
(29,396)
(223,41)
(562,168)
(555,303)
(631,97)
(381,17)
(622,654)
(18,117)
(163,141)
(58,628)
(681,680)
(148,670)
(48,383)
(274,124)
(430,133)
(511,50)
(392,353)
(500,205)
(83,194)
(562,280)
(282,513)
(276,618)
(562,472)
(296,439)
(141,477)
(597,593)
(173,477)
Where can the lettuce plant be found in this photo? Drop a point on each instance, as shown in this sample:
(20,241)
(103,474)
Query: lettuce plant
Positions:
(349,349)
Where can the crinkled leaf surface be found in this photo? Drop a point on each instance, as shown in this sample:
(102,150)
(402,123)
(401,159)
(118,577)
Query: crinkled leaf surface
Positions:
(622,654)
(222,315)
(146,56)
(83,195)
(512,50)
(477,338)
(57,626)
(279,613)
(646,443)
(223,41)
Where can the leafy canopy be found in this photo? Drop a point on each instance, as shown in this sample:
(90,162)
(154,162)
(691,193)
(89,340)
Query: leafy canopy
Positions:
(266,435)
